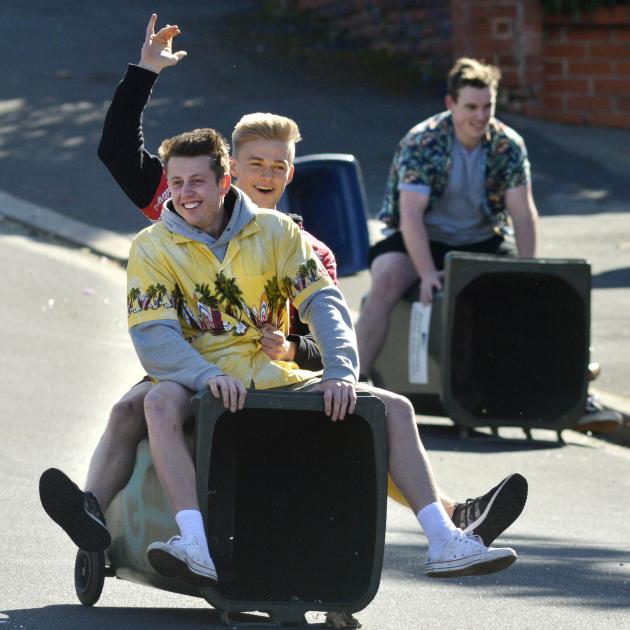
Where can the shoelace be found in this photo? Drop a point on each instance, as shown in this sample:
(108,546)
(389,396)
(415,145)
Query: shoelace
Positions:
(190,540)
(471,538)
(469,509)
(91,505)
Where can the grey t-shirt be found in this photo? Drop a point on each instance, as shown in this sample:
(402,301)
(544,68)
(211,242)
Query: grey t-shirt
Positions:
(457,218)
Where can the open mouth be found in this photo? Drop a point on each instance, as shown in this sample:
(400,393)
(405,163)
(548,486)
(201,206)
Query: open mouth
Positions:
(265,190)
(191,205)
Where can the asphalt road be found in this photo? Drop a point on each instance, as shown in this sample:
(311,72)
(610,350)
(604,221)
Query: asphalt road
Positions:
(66,357)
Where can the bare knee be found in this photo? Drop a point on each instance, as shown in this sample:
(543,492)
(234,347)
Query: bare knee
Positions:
(399,410)
(167,404)
(126,420)
(392,275)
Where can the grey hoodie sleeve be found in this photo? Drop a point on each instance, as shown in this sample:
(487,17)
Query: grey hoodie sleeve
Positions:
(328,317)
(167,356)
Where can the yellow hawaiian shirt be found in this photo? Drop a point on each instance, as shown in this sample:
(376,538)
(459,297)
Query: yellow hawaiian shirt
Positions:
(222,306)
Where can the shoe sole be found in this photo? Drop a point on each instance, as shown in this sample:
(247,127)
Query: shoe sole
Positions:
(170,566)
(63,502)
(504,508)
(472,567)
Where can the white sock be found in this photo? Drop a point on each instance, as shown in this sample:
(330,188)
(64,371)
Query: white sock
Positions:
(190,523)
(436,524)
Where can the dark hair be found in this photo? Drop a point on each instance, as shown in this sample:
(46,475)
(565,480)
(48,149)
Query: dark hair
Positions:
(199,142)
(472,73)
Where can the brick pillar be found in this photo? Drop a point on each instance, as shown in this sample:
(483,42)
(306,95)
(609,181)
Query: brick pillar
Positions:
(507,33)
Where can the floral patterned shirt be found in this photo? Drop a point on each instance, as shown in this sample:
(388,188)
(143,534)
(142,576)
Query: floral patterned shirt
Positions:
(424,156)
(222,305)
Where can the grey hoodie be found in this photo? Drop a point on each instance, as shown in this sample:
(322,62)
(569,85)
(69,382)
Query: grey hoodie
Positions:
(167,356)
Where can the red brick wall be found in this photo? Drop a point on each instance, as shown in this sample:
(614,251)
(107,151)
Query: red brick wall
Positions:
(508,34)
(418,28)
(567,69)
(587,68)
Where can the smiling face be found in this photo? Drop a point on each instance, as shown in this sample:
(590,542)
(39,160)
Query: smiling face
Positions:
(471,113)
(262,169)
(196,194)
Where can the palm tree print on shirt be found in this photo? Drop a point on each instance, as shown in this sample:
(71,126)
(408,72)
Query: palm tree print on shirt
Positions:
(209,311)
(227,291)
(207,315)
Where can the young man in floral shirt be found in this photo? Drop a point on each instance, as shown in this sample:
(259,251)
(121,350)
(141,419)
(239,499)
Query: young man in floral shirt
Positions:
(454,181)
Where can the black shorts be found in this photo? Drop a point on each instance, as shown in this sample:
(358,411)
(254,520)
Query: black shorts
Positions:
(496,245)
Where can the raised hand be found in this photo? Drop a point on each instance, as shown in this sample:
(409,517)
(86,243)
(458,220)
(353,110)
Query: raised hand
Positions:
(157,50)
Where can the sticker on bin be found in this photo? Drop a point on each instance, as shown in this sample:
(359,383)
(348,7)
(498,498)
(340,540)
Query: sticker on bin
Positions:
(419,321)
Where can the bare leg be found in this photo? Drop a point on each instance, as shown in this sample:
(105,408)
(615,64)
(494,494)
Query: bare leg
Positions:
(115,455)
(167,406)
(392,274)
(408,462)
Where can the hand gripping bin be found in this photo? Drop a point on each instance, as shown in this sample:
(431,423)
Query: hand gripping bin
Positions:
(328,192)
(294,505)
(509,343)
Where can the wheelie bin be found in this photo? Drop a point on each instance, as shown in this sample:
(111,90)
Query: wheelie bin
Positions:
(508,344)
(294,507)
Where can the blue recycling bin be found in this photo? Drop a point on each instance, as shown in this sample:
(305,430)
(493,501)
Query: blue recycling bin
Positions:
(329,193)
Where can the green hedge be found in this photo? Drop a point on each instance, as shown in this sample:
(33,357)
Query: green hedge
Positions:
(578,6)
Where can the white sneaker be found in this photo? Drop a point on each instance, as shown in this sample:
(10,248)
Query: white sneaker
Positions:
(185,558)
(465,554)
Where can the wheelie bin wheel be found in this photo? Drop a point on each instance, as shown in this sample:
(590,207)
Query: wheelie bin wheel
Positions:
(89,576)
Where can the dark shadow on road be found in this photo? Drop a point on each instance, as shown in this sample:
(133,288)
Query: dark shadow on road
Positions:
(80,617)
(612,279)
(545,569)
(447,438)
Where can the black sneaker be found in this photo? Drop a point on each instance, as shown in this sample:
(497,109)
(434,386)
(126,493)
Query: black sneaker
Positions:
(76,512)
(489,515)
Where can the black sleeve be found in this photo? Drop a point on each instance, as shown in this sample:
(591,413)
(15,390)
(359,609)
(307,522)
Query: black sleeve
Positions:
(307,355)
(121,148)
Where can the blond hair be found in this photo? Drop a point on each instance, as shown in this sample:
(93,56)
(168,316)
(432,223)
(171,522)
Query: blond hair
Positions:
(261,126)
(198,142)
(473,73)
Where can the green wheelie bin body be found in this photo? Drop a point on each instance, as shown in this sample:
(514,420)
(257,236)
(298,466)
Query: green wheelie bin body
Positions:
(508,343)
(294,506)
